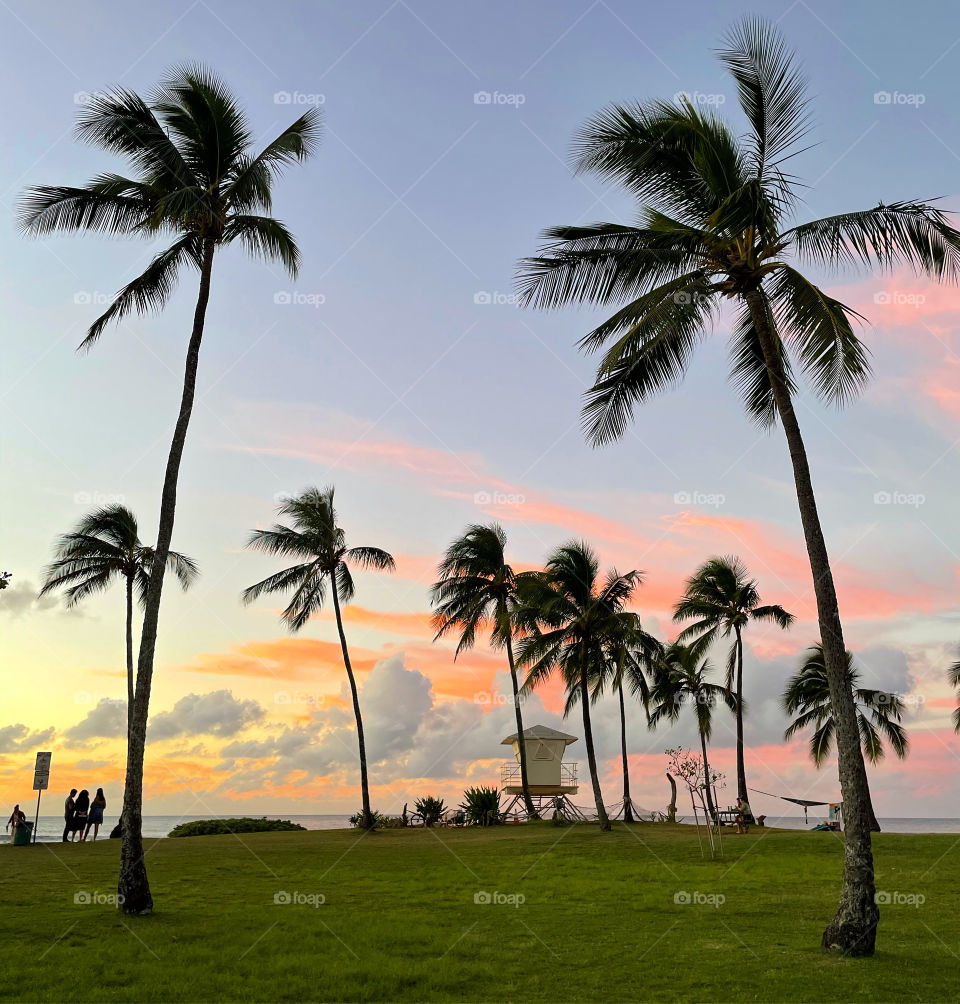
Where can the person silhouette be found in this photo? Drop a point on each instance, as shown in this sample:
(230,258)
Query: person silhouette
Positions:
(68,807)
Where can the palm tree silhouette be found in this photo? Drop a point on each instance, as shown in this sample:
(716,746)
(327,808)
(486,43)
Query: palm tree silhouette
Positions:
(680,677)
(722,599)
(476,590)
(318,541)
(879,714)
(105,546)
(567,612)
(627,654)
(715,226)
(954,677)
(195,179)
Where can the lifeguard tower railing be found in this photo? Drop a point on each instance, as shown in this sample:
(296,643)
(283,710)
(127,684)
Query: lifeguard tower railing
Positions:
(510,774)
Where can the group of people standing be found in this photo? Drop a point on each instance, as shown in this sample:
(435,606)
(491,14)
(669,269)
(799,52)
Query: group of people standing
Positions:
(80,814)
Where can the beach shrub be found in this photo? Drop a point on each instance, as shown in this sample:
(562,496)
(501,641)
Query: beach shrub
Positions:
(210,827)
(379,819)
(482,806)
(430,808)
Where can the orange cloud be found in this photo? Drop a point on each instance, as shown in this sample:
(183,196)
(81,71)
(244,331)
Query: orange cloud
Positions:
(416,625)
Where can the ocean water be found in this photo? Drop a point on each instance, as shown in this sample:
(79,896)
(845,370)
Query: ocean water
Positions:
(51,827)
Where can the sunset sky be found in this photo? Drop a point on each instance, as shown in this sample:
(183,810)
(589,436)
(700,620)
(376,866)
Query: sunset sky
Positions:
(399,369)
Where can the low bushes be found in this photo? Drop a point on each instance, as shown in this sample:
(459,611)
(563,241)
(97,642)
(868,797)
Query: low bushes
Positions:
(208,827)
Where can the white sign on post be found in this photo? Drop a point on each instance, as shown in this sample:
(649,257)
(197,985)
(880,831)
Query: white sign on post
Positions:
(41,772)
(41,781)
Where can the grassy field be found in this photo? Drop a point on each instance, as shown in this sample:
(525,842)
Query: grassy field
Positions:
(570,914)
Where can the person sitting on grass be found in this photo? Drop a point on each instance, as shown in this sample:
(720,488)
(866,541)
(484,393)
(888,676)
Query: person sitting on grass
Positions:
(16,818)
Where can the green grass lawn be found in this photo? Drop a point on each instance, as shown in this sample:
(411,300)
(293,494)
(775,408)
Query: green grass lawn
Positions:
(577,915)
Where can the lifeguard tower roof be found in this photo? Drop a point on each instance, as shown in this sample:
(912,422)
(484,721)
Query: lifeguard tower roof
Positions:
(540,732)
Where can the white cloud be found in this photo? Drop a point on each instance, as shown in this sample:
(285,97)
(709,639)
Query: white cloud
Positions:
(18,738)
(22,598)
(218,713)
(108,720)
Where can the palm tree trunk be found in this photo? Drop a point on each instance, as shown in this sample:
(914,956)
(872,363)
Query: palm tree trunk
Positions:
(853,929)
(364,786)
(672,807)
(129,653)
(711,808)
(134,886)
(627,808)
(522,746)
(588,741)
(741,771)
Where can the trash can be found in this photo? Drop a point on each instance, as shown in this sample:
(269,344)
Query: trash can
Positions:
(23,834)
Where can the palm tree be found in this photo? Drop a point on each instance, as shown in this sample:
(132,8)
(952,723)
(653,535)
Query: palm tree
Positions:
(954,677)
(681,677)
(714,226)
(879,714)
(721,599)
(105,546)
(567,612)
(476,589)
(625,654)
(317,540)
(195,180)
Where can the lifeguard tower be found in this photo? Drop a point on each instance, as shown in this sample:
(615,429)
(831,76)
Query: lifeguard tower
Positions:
(550,780)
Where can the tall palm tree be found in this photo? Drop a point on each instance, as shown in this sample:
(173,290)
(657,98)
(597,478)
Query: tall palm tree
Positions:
(714,226)
(476,590)
(954,677)
(105,546)
(722,599)
(879,714)
(567,611)
(681,678)
(197,181)
(627,654)
(319,543)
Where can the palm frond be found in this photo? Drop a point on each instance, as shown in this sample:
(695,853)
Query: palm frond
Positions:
(748,371)
(150,290)
(773,95)
(829,350)
(915,235)
(265,238)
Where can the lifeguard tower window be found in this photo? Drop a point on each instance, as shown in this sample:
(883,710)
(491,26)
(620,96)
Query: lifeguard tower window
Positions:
(543,753)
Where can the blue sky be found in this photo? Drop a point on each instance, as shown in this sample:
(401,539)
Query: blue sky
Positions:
(390,375)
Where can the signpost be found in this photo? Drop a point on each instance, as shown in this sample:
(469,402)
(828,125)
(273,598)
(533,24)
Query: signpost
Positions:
(41,781)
